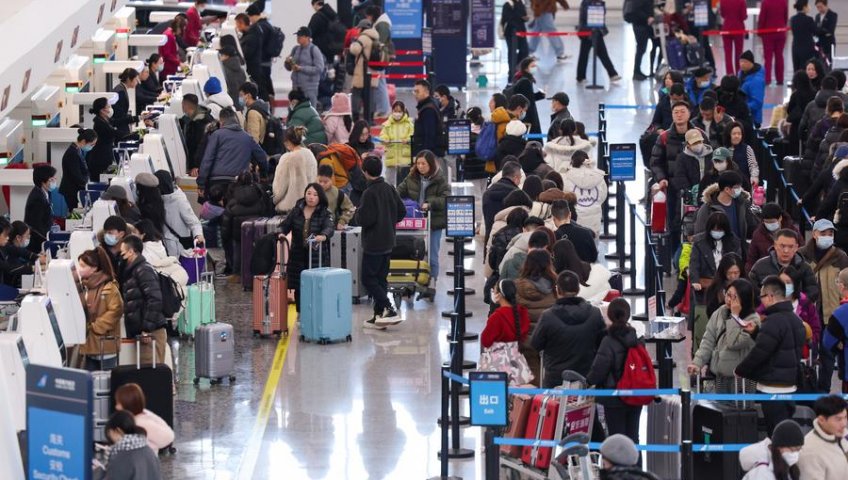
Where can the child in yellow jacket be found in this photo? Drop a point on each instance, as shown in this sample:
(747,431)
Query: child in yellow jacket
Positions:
(396,137)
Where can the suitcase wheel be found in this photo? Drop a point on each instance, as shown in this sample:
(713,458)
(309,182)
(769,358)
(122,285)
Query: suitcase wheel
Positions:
(349,338)
(232,378)
(302,338)
(196,381)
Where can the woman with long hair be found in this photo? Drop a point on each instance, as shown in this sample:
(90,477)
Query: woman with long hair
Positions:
(150,201)
(565,145)
(360,137)
(535,290)
(510,321)
(525,84)
(776,457)
(129,456)
(101,297)
(730,268)
(295,170)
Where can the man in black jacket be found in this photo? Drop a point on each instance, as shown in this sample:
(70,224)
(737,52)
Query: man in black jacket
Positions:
(142,301)
(251,45)
(568,333)
(826,20)
(641,15)
(37,213)
(560,113)
(774,361)
(319,25)
(428,132)
(496,193)
(380,209)
(784,253)
(582,238)
(194,123)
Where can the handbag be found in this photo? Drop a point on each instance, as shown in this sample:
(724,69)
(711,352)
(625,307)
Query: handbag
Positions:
(186,242)
(505,357)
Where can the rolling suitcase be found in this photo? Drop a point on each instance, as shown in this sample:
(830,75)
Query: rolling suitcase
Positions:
(101,380)
(664,427)
(409,271)
(719,423)
(213,352)
(156,381)
(541,425)
(325,294)
(200,305)
(519,412)
(249,234)
(270,298)
(346,252)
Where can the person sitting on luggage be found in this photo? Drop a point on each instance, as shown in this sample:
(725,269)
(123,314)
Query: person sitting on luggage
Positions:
(608,367)
(310,219)
(129,456)
(621,460)
(380,209)
(340,205)
(427,185)
(38,207)
(776,457)
(725,343)
(101,296)
(142,301)
(114,230)
(21,259)
(130,398)
(569,333)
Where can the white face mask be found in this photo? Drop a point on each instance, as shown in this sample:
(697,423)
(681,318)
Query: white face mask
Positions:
(736,192)
(791,458)
(397,116)
(772,226)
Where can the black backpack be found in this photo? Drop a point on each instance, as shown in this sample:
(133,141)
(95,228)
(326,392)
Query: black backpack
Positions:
(172,296)
(629,10)
(842,209)
(335,36)
(274,39)
(264,257)
(272,142)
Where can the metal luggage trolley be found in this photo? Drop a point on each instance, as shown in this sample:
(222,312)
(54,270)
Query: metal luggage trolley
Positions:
(575,418)
(404,282)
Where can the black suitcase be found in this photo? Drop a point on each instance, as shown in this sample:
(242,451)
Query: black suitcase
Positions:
(719,423)
(156,381)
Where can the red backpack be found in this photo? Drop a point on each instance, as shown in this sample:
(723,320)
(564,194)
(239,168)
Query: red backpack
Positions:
(638,374)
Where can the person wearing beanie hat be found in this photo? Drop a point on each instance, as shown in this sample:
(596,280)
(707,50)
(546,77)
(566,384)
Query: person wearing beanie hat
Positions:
(306,62)
(216,98)
(774,14)
(513,142)
(775,457)
(620,460)
(753,79)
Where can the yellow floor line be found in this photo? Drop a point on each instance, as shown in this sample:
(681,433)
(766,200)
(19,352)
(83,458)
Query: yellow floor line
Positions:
(254,445)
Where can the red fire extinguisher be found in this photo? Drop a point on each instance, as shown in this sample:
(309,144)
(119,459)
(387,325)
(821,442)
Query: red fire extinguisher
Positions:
(658,211)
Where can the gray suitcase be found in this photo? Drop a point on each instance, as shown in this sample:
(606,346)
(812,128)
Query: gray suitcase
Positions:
(664,427)
(213,352)
(346,253)
(101,381)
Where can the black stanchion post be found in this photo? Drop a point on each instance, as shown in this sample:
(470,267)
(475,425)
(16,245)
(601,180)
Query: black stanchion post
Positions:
(633,290)
(594,86)
(443,460)
(650,274)
(493,461)
(687,463)
(620,227)
(366,92)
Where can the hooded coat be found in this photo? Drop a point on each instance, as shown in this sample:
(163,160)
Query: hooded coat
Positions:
(777,349)
(361,49)
(756,460)
(334,124)
(569,334)
(826,267)
(305,114)
(217,102)
(816,109)
(513,259)
(560,150)
(589,185)
(724,343)
(754,86)
(509,145)
(690,167)
(142,298)
(501,117)
(746,220)
(397,137)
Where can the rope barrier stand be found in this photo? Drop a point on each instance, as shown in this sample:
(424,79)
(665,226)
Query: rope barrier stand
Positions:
(407,53)
(400,76)
(396,64)
(757,31)
(553,34)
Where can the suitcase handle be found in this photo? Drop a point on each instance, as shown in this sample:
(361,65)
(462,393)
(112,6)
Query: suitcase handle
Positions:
(282,240)
(117,347)
(310,242)
(138,350)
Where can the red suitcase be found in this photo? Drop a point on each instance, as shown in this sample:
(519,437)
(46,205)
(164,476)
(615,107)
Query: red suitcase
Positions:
(270,298)
(541,425)
(519,412)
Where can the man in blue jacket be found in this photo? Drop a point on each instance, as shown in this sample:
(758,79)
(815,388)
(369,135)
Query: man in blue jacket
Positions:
(835,338)
(753,79)
(229,151)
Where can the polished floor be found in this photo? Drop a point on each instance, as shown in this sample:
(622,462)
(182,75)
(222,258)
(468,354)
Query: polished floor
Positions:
(368,409)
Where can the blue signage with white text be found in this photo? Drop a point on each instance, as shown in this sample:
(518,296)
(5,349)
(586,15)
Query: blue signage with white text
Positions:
(488,398)
(406,16)
(460,216)
(622,162)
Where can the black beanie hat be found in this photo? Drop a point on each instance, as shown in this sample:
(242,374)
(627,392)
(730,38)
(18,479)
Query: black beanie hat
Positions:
(747,55)
(787,434)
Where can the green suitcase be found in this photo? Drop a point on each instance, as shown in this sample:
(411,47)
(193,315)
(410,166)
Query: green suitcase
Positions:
(200,305)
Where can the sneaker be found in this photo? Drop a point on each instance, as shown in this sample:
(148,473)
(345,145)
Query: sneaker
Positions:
(639,76)
(615,78)
(389,317)
(371,323)
(563,58)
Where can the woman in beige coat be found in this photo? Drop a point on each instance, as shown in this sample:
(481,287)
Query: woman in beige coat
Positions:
(296,169)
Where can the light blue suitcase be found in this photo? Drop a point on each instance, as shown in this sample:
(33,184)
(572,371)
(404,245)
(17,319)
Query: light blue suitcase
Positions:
(326,307)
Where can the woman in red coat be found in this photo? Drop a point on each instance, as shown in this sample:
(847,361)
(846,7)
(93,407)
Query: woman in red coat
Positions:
(774,14)
(733,15)
(170,51)
(500,327)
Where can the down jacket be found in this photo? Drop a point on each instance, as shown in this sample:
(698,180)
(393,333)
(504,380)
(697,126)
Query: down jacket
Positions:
(535,294)
(608,365)
(435,193)
(142,298)
(321,223)
(396,136)
(304,114)
(588,184)
(244,203)
(724,343)
(777,349)
(514,257)
(747,220)
(826,269)
(158,258)
(769,266)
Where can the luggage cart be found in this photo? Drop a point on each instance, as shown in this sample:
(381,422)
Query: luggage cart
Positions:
(414,276)
(575,416)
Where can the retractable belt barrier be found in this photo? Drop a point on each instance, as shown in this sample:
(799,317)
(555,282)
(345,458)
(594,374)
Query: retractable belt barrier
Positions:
(780,187)
(758,31)
(553,34)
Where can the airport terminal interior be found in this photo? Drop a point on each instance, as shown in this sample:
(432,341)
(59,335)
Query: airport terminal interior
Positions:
(360,409)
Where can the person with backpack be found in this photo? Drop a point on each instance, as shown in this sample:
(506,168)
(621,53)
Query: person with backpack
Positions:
(339,203)
(640,15)
(429,128)
(142,300)
(295,170)
(383,24)
(306,62)
(618,349)
(251,46)
(338,121)
(101,296)
(568,333)
(256,111)
(325,26)
(365,49)
(396,136)
(193,123)
(228,152)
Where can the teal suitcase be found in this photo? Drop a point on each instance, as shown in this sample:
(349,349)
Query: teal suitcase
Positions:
(326,305)
(200,305)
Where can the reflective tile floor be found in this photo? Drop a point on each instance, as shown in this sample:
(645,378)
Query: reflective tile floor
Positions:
(368,409)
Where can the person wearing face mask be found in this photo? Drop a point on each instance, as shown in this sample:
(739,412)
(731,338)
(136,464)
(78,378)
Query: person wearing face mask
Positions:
(762,240)
(396,135)
(775,458)
(149,86)
(101,297)
(256,111)
(308,218)
(722,161)
(699,84)
(38,214)
(525,84)
(121,117)
(74,169)
(114,230)
(194,124)
(707,251)
(142,296)
(692,162)
(728,197)
(449,106)
(802,306)
(101,157)
(20,259)
(825,452)
(620,460)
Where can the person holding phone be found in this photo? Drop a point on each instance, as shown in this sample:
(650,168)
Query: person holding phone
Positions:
(725,342)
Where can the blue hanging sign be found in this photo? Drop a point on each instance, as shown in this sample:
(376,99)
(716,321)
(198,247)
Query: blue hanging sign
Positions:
(622,162)
(406,16)
(460,216)
(488,398)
